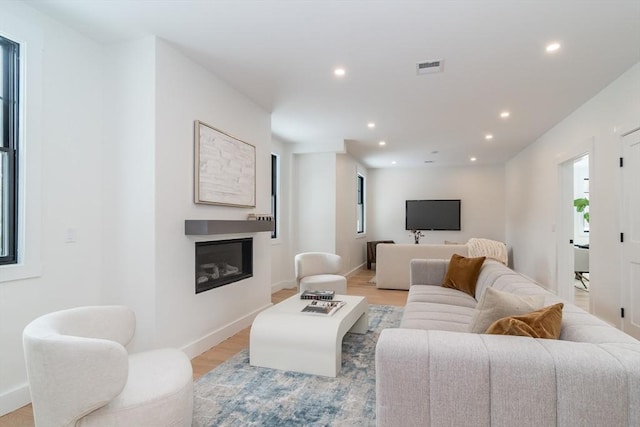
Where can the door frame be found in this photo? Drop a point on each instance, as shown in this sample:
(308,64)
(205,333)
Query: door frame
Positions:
(565,216)
(625,284)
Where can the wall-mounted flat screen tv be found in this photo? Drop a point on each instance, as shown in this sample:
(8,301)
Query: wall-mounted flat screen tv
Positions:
(432,215)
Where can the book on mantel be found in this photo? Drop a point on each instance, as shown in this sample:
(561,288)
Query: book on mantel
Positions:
(325,308)
(323,295)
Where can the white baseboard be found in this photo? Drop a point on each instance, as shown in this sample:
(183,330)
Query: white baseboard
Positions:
(199,346)
(358,268)
(14,398)
(275,287)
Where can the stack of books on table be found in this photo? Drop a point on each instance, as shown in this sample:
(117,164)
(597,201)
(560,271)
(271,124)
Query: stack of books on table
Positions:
(323,295)
(325,308)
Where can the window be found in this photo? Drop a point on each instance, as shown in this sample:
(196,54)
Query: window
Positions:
(274,194)
(9,64)
(360,204)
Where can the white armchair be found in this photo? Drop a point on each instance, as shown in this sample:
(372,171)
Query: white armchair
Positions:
(80,373)
(319,271)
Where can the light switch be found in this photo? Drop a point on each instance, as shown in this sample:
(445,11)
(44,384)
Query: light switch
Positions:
(71,235)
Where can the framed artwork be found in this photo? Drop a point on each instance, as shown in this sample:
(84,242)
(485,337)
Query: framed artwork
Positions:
(225,168)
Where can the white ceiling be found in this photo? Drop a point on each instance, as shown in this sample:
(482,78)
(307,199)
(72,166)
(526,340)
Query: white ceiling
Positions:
(281,54)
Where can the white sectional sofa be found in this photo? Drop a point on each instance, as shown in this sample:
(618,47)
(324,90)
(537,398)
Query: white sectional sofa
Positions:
(432,372)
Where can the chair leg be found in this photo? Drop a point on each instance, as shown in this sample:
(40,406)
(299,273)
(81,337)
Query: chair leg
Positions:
(582,278)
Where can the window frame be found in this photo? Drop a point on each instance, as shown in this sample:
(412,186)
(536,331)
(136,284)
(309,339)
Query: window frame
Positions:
(275,166)
(10,99)
(360,204)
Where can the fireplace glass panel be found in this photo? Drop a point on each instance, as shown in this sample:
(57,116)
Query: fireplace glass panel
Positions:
(222,262)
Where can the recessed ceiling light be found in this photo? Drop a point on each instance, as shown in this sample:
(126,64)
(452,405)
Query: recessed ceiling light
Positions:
(382,143)
(428,161)
(473,159)
(553,47)
(488,136)
(435,152)
(393,162)
(339,72)
(505,114)
(371,125)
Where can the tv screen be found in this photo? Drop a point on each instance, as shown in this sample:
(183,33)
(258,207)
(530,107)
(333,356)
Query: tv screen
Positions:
(433,215)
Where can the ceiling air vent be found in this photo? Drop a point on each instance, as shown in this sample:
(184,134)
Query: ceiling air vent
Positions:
(429,67)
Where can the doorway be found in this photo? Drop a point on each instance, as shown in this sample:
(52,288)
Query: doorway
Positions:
(581,231)
(575,172)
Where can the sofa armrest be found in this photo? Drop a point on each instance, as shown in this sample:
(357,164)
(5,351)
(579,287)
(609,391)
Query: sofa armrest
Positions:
(433,378)
(427,271)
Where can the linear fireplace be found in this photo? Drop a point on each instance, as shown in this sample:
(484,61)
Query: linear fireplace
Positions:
(221,262)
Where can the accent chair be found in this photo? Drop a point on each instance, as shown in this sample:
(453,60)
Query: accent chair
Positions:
(80,373)
(319,271)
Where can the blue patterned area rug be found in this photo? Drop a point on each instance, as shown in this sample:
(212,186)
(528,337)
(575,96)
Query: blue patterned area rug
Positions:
(237,394)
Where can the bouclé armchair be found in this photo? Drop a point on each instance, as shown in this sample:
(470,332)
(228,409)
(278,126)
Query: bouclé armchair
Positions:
(320,271)
(80,373)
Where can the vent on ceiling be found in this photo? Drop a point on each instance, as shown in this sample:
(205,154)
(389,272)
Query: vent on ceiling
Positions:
(429,67)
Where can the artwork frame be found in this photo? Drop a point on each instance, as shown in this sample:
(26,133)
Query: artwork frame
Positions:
(225,168)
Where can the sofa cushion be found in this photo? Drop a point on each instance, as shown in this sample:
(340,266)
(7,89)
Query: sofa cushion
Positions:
(494,305)
(519,285)
(435,316)
(427,271)
(462,273)
(543,323)
(438,294)
(491,270)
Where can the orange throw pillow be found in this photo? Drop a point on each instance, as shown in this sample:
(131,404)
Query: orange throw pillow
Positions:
(462,274)
(543,323)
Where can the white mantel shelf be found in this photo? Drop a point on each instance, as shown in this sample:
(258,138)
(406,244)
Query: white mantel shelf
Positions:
(201,227)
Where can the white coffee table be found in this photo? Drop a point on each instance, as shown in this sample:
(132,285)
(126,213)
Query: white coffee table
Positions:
(282,337)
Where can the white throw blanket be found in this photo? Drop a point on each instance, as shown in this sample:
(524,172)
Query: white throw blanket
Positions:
(488,248)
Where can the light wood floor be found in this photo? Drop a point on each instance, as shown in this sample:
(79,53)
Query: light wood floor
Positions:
(581,299)
(357,285)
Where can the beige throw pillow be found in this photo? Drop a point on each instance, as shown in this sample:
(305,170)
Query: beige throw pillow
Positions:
(543,323)
(495,304)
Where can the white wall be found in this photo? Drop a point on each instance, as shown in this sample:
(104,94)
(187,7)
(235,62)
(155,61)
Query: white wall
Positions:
(116,139)
(185,92)
(129,188)
(481,190)
(350,245)
(532,192)
(317,209)
(64,122)
(314,202)
(282,250)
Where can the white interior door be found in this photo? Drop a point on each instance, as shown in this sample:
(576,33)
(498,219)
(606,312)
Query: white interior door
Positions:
(631,230)
(564,232)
